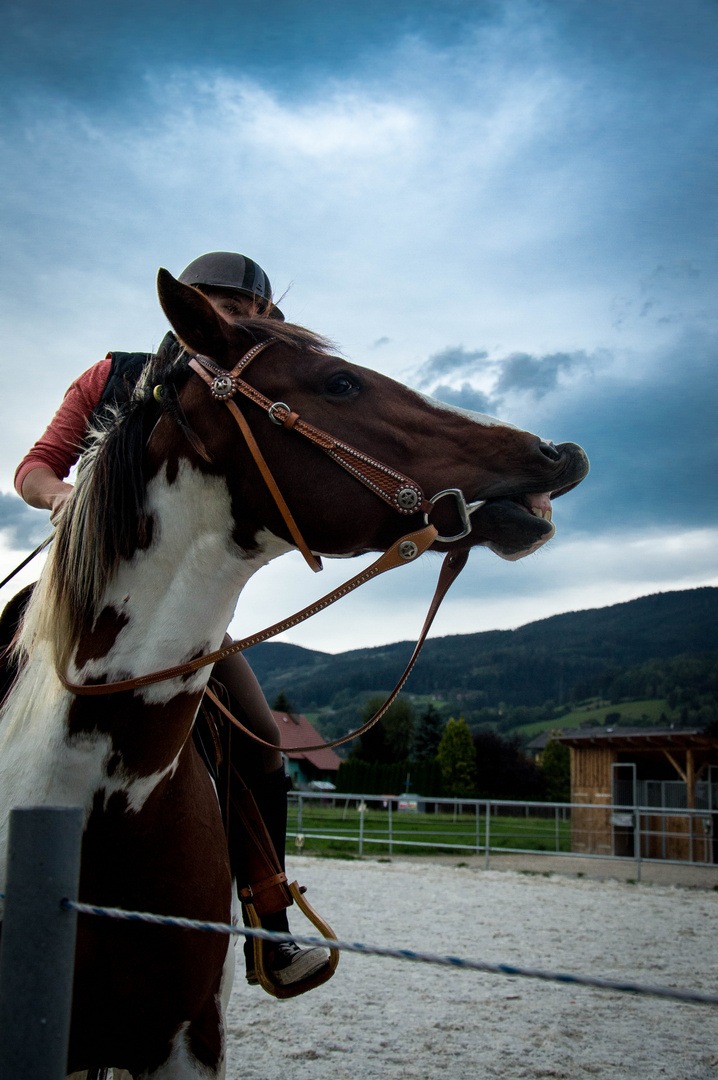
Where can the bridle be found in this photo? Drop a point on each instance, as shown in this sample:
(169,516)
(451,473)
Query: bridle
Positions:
(404,495)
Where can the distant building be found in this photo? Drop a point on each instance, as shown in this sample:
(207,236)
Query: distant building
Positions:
(309,769)
(619,768)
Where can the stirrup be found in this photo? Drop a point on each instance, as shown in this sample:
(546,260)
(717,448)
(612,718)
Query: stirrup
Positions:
(302,985)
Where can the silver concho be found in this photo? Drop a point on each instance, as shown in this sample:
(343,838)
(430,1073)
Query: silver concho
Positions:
(407,498)
(408,549)
(223,387)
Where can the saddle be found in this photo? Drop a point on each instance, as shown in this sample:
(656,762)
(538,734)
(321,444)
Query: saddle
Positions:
(261,882)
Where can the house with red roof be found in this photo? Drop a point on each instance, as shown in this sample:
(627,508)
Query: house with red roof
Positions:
(307,768)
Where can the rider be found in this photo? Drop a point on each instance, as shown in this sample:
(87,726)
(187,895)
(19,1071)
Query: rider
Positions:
(237,288)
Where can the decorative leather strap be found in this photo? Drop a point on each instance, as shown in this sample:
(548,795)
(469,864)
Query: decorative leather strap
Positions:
(452,566)
(407,549)
(400,492)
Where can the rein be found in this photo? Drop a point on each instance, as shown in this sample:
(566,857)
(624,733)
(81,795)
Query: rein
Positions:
(402,494)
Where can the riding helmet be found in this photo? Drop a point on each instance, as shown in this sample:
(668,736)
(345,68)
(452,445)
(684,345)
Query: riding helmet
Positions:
(228,270)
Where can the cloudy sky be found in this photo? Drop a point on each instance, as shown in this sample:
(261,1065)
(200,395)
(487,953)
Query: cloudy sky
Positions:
(505,204)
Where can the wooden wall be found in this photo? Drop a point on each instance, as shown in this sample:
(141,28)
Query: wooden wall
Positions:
(591,830)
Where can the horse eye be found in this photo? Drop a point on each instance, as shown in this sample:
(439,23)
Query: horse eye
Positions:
(342,384)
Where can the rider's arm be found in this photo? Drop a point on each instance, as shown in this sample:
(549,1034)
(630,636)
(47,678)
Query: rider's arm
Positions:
(42,488)
(39,478)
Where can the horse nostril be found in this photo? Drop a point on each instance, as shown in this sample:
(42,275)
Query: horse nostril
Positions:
(549,450)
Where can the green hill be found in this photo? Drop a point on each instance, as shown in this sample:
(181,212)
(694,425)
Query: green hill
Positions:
(565,658)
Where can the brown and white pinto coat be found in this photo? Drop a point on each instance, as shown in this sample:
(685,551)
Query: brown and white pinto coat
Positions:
(151,1000)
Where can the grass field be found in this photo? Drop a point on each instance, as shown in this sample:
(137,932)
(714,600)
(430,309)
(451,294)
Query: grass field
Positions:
(334,831)
(631,712)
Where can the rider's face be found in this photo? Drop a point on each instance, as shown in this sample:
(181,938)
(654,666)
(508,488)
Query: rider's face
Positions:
(231,305)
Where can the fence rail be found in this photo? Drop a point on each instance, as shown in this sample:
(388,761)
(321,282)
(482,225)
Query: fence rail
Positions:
(371,823)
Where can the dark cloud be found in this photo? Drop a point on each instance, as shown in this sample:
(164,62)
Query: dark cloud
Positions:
(468,397)
(518,373)
(101,51)
(449,362)
(649,438)
(22,527)
(651,444)
(537,375)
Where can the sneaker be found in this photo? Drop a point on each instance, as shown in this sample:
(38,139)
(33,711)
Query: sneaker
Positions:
(287,963)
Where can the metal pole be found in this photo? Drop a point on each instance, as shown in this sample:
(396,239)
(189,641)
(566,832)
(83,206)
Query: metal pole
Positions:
(478,827)
(300,807)
(391,835)
(558,848)
(362,808)
(488,836)
(38,942)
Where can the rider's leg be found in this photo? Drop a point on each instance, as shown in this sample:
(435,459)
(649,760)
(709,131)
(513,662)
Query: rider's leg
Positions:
(263,771)
(237,677)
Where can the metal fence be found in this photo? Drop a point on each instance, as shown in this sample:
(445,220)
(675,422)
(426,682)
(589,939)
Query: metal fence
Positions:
(370,824)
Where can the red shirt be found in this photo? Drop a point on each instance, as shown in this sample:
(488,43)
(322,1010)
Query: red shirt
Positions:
(59,448)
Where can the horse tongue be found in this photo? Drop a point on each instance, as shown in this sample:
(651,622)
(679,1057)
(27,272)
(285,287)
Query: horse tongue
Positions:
(541,505)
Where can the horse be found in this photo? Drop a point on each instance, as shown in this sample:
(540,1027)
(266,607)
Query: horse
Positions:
(168,520)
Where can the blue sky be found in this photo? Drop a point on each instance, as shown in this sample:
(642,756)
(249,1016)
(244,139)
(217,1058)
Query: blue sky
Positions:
(507,204)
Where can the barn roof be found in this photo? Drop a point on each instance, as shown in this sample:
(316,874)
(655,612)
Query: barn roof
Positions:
(295,730)
(642,738)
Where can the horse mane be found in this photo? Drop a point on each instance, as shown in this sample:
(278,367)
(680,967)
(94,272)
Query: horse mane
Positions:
(105,519)
(297,337)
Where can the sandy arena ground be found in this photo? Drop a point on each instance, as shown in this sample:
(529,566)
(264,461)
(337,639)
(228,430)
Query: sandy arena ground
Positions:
(380,1018)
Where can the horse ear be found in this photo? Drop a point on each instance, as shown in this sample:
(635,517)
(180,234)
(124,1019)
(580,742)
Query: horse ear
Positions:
(193,319)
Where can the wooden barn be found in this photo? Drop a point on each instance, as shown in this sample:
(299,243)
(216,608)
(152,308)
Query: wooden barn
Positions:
(616,769)
(306,767)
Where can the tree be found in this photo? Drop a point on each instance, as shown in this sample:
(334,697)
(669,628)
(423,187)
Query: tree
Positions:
(556,766)
(457,759)
(426,735)
(283,704)
(388,741)
(502,771)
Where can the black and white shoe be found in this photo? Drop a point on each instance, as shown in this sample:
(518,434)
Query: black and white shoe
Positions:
(287,963)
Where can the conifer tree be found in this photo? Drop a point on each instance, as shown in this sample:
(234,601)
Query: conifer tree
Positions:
(388,741)
(426,735)
(283,704)
(556,765)
(457,759)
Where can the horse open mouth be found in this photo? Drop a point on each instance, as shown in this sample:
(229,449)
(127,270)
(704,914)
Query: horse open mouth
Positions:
(517,525)
(538,506)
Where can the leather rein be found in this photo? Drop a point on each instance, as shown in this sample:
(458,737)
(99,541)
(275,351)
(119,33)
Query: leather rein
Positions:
(398,491)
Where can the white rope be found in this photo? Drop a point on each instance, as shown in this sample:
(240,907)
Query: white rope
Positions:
(397,954)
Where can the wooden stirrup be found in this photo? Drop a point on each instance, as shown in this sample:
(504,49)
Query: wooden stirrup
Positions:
(303,985)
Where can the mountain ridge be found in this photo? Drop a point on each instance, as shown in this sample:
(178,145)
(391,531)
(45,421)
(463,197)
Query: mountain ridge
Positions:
(539,660)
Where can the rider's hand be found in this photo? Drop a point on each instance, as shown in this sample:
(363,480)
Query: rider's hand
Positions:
(58,504)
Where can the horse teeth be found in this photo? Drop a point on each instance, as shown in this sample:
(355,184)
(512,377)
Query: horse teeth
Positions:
(539,513)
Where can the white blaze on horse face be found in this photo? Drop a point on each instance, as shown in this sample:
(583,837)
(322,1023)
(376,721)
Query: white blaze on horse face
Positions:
(478,418)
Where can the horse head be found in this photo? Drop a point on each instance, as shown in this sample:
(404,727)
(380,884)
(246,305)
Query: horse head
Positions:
(484,482)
